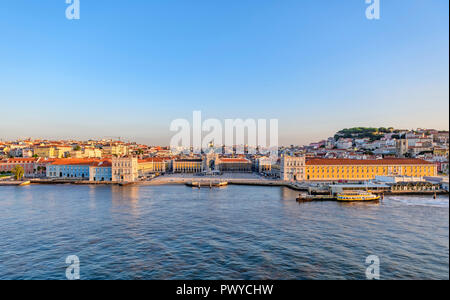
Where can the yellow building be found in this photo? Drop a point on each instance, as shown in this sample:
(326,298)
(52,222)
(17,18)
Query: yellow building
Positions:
(440,151)
(352,169)
(187,165)
(86,153)
(240,165)
(115,150)
(44,151)
(62,151)
(152,165)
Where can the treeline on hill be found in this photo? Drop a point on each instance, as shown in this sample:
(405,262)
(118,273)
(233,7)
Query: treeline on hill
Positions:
(363,132)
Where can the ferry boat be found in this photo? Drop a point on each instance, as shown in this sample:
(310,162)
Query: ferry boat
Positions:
(357,196)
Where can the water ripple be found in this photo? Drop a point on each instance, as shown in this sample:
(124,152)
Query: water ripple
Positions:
(175,232)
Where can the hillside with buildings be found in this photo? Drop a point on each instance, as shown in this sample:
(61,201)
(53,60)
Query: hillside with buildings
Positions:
(351,154)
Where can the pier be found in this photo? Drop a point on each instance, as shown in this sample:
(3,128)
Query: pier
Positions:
(311,198)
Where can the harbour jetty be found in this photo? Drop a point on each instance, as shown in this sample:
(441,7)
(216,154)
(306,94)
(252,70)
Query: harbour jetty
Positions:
(311,198)
(333,197)
(14,183)
(77,182)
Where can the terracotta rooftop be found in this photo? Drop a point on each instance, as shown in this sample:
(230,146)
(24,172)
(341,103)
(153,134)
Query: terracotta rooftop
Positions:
(387,161)
(189,160)
(21,160)
(234,160)
(75,161)
(104,163)
(151,159)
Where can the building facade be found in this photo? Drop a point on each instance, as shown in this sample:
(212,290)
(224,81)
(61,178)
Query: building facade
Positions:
(44,151)
(292,168)
(70,168)
(401,147)
(360,170)
(115,150)
(264,164)
(124,169)
(101,171)
(235,165)
(41,166)
(80,169)
(28,165)
(152,165)
(187,165)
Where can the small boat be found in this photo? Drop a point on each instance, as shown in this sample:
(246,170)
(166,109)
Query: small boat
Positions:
(357,196)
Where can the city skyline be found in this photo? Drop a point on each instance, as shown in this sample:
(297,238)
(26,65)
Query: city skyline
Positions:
(129,69)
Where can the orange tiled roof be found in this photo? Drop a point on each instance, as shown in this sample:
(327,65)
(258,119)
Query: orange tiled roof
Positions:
(151,159)
(21,160)
(387,161)
(74,161)
(188,160)
(234,160)
(47,160)
(82,162)
(105,163)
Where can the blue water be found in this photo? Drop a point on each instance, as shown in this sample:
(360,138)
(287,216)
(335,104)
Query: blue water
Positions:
(237,232)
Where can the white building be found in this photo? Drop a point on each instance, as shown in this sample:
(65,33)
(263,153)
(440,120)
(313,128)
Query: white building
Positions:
(402,147)
(264,164)
(344,143)
(292,168)
(124,169)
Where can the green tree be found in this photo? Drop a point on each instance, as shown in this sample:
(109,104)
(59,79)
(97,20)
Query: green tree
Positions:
(77,148)
(18,172)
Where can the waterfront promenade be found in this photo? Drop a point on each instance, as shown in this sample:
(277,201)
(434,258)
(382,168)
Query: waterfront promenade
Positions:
(230,178)
(178,179)
(249,179)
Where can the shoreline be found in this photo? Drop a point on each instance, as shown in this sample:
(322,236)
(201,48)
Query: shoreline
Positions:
(179,181)
(251,180)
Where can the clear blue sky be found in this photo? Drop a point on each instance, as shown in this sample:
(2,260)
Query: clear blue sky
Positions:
(128,68)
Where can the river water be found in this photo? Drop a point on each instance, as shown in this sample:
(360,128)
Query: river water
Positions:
(236,232)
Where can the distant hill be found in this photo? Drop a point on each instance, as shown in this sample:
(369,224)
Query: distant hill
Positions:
(363,132)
